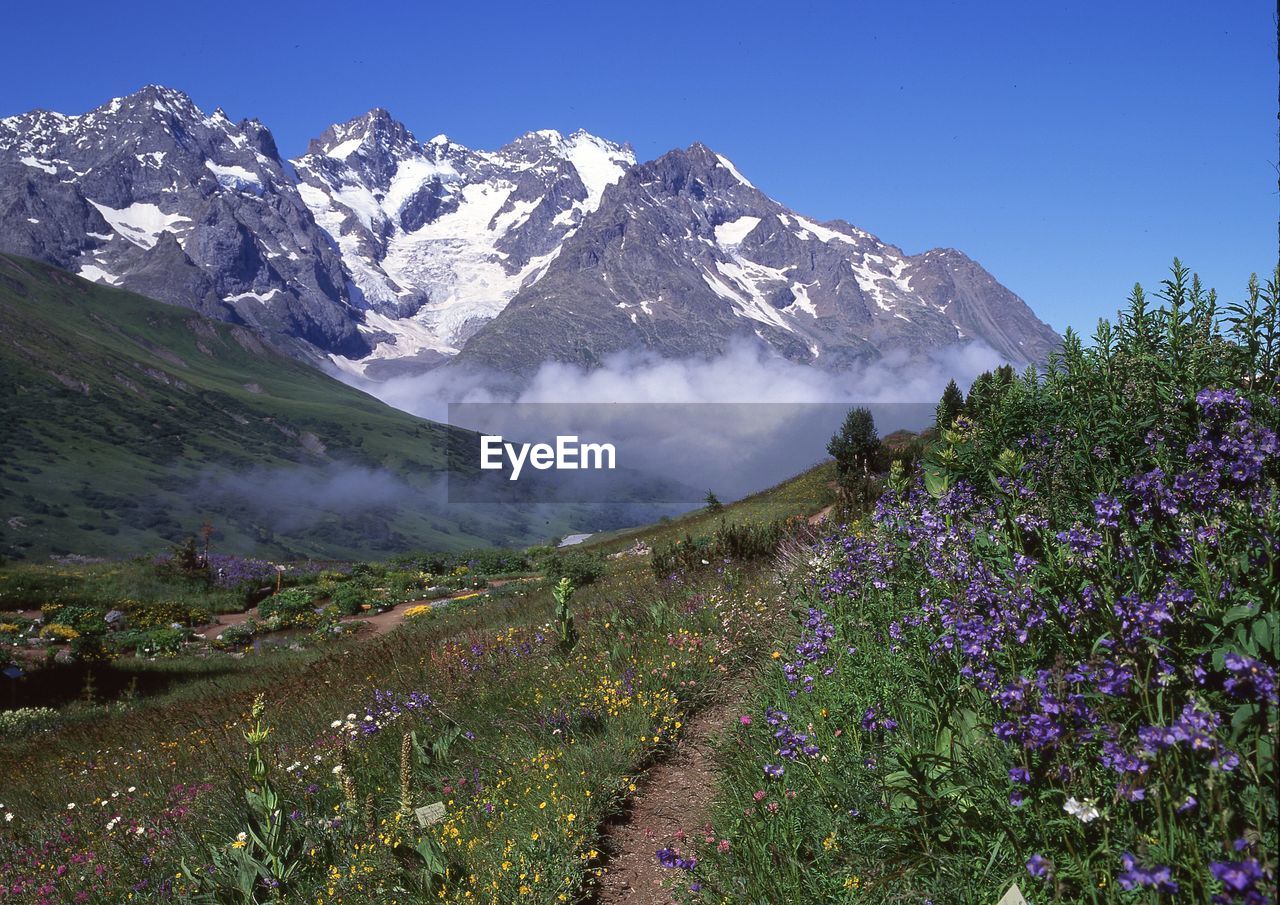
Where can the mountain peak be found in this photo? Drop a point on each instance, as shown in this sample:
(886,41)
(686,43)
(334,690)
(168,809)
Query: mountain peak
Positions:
(153,99)
(372,131)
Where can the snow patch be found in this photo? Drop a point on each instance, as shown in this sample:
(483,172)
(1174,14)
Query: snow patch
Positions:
(39,165)
(733,232)
(236,179)
(96,274)
(255,296)
(598,164)
(724,162)
(821,233)
(142,224)
(345,149)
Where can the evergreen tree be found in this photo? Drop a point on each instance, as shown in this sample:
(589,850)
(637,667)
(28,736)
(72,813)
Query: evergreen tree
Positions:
(949,406)
(854,446)
(713,502)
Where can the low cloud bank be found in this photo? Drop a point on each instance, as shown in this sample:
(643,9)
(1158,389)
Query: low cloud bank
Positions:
(748,372)
(735,424)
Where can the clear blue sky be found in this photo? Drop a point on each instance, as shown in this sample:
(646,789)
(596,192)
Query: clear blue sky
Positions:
(1071,148)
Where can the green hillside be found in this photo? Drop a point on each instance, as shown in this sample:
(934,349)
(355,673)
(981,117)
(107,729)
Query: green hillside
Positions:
(125,423)
(806,494)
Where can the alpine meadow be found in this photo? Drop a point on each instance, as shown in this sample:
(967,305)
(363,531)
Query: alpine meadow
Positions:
(578,520)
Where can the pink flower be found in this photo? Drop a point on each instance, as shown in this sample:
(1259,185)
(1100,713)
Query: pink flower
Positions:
(758,795)
(723,846)
(744,720)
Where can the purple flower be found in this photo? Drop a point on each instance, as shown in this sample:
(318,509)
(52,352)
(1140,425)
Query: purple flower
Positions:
(872,721)
(1039,866)
(670,858)
(1107,510)
(1135,875)
(1251,680)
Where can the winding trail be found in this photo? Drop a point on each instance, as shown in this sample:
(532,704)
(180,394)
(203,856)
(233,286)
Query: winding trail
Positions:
(377,623)
(673,795)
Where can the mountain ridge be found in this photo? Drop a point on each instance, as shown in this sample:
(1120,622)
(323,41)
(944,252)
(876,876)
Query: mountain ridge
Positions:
(380,254)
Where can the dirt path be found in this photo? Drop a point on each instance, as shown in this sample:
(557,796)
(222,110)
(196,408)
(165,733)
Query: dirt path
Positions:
(673,796)
(821,515)
(378,624)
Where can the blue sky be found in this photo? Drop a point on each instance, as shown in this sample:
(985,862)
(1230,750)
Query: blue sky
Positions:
(1072,149)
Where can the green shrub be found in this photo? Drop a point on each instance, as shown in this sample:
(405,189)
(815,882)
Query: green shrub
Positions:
(156,614)
(290,606)
(579,567)
(26,721)
(732,541)
(348,597)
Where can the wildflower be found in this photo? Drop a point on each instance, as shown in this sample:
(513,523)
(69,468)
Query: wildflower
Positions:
(670,858)
(1237,877)
(242,839)
(1038,865)
(1134,875)
(1084,811)
(773,771)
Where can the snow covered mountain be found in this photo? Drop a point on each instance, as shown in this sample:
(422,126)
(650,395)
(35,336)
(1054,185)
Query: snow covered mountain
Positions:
(436,237)
(684,255)
(385,255)
(148,193)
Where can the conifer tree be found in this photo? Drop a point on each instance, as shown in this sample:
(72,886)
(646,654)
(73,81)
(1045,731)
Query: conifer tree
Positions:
(949,406)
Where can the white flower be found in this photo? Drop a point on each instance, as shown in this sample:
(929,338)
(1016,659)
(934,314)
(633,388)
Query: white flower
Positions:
(335,724)
(351,716)
(131,789)
(8,818)
(241,837)
(139,831)
(1084,811)
(72,806)
(337,769)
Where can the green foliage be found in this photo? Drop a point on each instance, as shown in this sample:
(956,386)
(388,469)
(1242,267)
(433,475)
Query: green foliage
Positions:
(950,406)
(1030,666)
(26,721)
(580,568)
(292,606)
(261,864)
(729,542)
(854,446)
(713,502)
(568,634)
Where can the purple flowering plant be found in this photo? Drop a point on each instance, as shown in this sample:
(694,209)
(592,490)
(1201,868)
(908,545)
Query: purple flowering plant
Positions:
(1056,642)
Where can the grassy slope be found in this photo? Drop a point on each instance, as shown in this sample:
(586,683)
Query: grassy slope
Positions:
(805,494)
(117,414)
